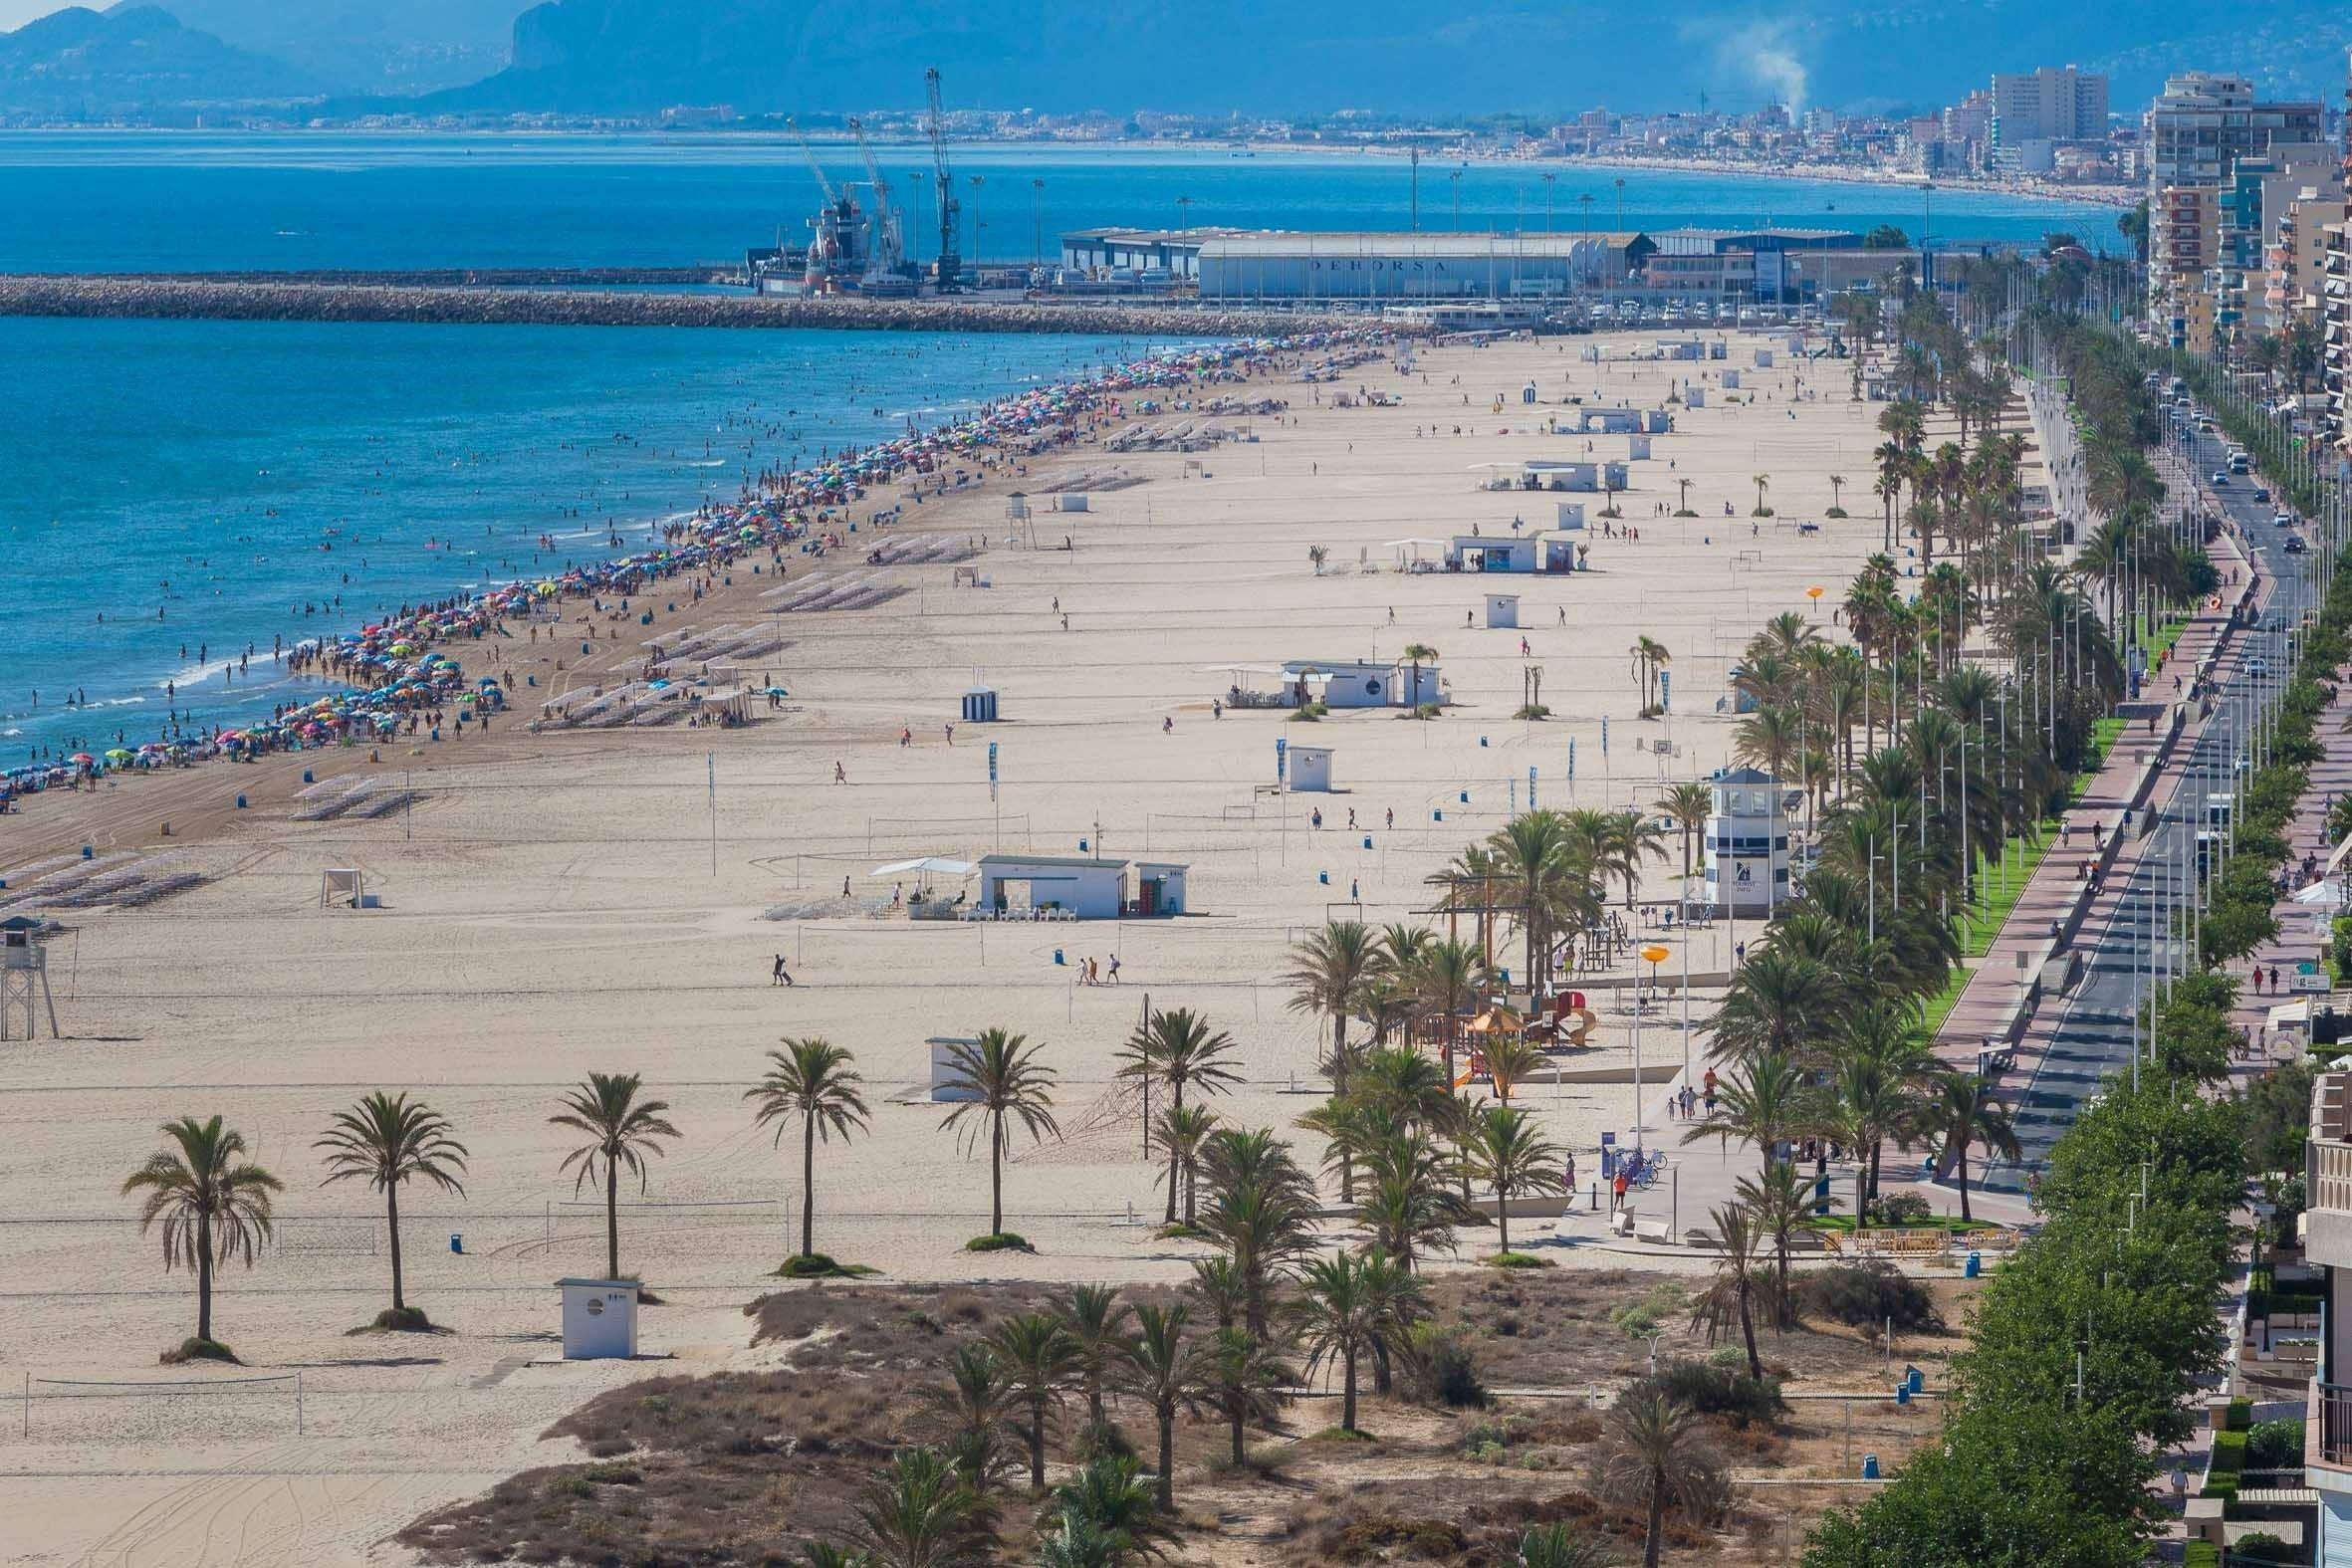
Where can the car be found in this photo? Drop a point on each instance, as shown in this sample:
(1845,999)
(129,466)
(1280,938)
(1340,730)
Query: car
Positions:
(2257,666)
(2261,494)
(2219,479)
(2294,544)
(2282,520)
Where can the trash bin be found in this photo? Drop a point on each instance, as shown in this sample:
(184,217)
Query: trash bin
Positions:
(457,1243)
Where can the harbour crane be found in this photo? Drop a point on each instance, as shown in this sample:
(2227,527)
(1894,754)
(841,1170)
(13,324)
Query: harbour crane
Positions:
(814,167)
(951,266)
(885,254)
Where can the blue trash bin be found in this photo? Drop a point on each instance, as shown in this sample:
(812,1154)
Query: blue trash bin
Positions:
(1974,1268)
(457,1243)
(1324,877)
(1057,959)
(1903,1393)
(240,802)
(305,777)
(1913,1379)
(1870,1466)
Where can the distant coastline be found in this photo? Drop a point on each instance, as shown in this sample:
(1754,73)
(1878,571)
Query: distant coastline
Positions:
(2119,198)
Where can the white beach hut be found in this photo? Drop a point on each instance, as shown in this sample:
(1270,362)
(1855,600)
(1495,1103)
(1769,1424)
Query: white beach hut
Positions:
(1502,611)
(1310,769)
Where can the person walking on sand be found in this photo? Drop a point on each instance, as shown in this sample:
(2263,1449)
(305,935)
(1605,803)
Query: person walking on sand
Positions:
(779,976)
(841,775)
(1114,969)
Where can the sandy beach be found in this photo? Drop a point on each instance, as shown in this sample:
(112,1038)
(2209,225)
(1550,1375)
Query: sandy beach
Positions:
(599,899)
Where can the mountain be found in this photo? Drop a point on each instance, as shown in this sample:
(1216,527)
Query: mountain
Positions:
(367,46)
(636,56)
(133,58)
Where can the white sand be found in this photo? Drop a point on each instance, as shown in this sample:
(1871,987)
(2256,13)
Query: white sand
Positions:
(558,912)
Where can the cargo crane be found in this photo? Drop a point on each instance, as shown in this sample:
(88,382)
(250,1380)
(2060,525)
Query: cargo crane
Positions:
(886,251)
(951,266)
(834,242)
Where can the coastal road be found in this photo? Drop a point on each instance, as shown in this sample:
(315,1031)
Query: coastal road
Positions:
(2094,1032)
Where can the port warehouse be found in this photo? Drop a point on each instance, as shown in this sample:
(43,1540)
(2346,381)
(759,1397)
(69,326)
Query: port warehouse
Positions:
(1786,266)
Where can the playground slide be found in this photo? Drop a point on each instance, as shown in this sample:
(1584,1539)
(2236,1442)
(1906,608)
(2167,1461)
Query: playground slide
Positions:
(1585,1024)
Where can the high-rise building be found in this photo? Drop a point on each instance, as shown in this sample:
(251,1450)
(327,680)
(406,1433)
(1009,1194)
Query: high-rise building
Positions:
(2196,132)
(2054,103)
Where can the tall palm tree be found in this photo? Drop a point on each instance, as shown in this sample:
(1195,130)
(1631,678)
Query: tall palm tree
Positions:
(1730,1299)
(1094,1317)
(214,1203)
(1689,804)
(1176,1046)
(1417,654)
(809,1081)
(1510,1060)
(1632,838)
(1880,1086)
(1406,1203)
(1239,1374)
(1963,1111)
(1652,1451)
(388,1142)
(1449,977)
(1778,1006)
(1039,1358)
(1329,970)
(1837,485)
(1262,1212)
(1183,1131)
(1649,657)
(1343,1302)
(1162,1371)
(1762,483)
(1507,1151)
(919,1513)
(621,1131)
(996,1076)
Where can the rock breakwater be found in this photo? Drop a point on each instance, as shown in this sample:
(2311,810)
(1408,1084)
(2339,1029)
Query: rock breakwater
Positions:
(258,301)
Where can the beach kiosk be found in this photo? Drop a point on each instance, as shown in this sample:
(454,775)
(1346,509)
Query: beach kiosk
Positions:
(1076,888)
(599,1319)
(980,705)
(1485,552)
(1501,612)
(1571,517)
(1637,448)
(948,1083)
(1159,889)
(1310,769)
(1746,843)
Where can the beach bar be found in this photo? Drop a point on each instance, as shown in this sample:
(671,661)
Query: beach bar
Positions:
(1491,552)
(1078,887)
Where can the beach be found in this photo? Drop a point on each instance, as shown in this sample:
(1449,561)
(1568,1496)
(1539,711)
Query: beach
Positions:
(545,904)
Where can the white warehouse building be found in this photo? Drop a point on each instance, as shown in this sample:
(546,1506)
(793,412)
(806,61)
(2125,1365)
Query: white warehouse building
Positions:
(1240,264)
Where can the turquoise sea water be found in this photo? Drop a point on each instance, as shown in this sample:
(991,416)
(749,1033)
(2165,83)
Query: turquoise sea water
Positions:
(199,485)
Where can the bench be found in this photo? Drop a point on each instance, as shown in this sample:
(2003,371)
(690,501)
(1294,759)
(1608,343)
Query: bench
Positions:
(1654,1230)
(1621,1222)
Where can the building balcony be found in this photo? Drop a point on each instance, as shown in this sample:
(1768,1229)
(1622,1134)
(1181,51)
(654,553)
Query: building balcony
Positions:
(2327,1168)
(2327,1437)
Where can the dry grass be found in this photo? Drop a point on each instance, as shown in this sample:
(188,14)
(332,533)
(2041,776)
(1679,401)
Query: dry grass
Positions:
(741,1467)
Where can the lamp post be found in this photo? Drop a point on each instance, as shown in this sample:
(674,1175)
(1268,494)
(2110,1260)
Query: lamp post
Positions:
(1036,219)
(1655,956)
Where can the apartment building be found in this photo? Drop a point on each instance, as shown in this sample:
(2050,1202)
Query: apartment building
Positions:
(2054,103)
(2184,271)
(2327,1243)
(2294,262)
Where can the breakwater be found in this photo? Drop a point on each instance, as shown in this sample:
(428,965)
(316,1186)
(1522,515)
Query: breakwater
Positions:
(216,299)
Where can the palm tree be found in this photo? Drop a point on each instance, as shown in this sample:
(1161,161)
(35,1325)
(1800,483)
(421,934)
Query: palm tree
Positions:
(1559,1546)
(1449,977)
(1092,1316)
(1110,1509)
(1407,1205)
(214,1203)
(1222,1289)
(1779,1202)
(1780,1003)
(1762,483)
(1837,485)
(1328,971)
(388,1142)
(1769,1103)
(1652,1451)
(1418,654)
(919,1513)
(1239,1374)
(1262,1212)
(1342,1303)
(1881,1082)
(1963,1111)
(1732,1297)
(621,1131)
(978,1403)
(1039,1357)
(810,1080)
(1689,804)
(1510,1058)
(1176,1046)
(1183,1131)
(1631,839)
(1508,1152)
(1649,656)
(998,1075)
(1161,1371)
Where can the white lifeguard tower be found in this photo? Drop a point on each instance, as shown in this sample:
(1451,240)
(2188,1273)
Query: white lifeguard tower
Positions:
(1746,843)
(24,978)
(1502,611)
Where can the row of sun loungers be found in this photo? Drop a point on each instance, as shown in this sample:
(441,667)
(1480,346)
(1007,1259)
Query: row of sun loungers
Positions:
(332,797)
(124,880)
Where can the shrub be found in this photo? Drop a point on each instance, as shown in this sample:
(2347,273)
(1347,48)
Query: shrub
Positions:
(1642,1319)
(1903,1207)
(999,1241)
(1438,1365)
(2275,1445)
(2260,1546)
(1712,1390)
(2201,1554)
(194,1349)
(404,1320)
(1518,1261)
(1865,1295)
(816,1265)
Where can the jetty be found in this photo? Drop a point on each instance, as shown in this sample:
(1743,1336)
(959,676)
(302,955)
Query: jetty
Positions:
(252,299)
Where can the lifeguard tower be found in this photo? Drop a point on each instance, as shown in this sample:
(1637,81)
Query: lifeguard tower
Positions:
(24,974)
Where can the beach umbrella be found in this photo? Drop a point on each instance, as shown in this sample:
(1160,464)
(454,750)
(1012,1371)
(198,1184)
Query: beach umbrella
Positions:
(84,757)
(119,752)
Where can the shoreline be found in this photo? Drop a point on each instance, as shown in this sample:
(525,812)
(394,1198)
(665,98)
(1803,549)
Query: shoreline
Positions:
(394,670)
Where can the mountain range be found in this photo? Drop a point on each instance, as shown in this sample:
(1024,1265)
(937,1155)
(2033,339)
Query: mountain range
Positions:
(624,57)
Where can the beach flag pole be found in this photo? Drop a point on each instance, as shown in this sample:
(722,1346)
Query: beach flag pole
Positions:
(710,762)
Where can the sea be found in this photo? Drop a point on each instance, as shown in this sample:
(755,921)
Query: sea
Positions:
(177,497)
